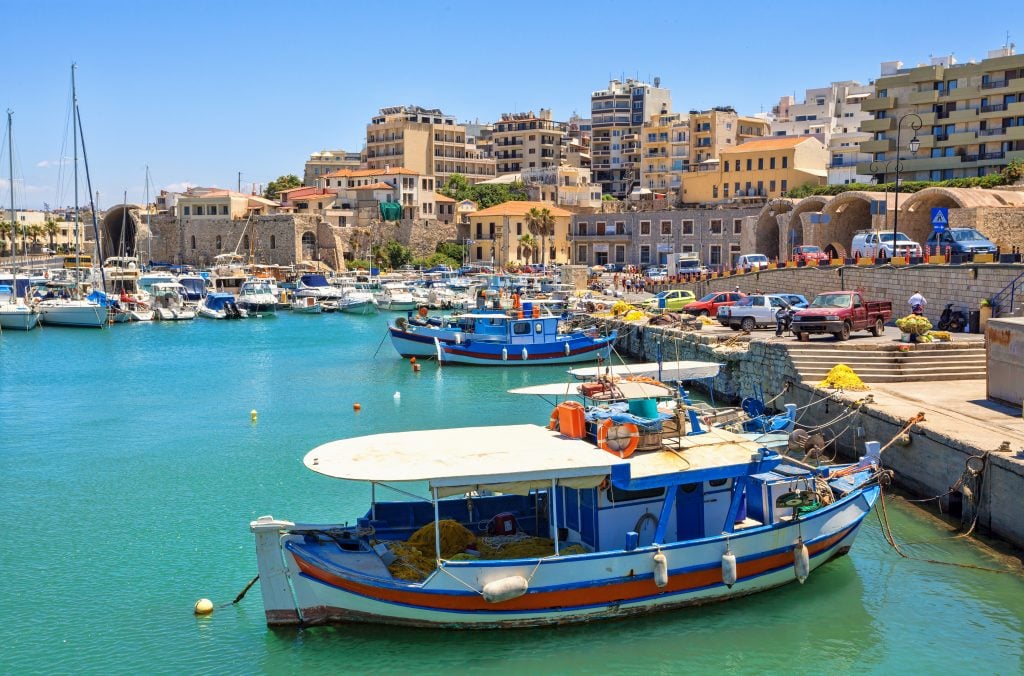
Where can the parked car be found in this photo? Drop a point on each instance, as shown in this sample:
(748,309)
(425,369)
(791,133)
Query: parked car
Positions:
(671,300)
(840,313)
(961,241)
(752,261)
(751,312)
(796,300)
(614,267)
(657,272)
(870,244)
(709,304)
(802,254)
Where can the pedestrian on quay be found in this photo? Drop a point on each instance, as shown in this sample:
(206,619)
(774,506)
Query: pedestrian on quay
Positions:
(917,303)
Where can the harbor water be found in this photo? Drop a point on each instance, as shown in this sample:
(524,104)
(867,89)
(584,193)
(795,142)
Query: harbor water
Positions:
(130,469)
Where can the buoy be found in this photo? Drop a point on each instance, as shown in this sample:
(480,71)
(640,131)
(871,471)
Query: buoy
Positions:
(801,561)
(412,360)
(660,570)
(416,368)
(505,589)
(567,349)
(397,396)
(526,355)
(504,354)
(203,607)
(728,568)
(357,406)
(252,415)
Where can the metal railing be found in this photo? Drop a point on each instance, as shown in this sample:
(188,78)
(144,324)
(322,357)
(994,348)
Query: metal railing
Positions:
(1008,297)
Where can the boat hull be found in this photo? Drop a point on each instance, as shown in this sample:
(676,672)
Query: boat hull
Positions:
(358,307)
(561,590)
(18,317)
(261,307)
(73,313)
(418,343)
(492,354)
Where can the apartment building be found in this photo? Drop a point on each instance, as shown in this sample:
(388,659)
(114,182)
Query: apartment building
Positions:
(665,151)
(427,142)
(522,141)
(652,237)
(968,118)
(576,149)
(758,170)
(720,128)
(564,186)
(326,161)
(494,235)
(215,202)
(833,115)
(361,192)
(617,115)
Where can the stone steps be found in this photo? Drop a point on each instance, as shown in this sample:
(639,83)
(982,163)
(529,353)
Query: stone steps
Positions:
(889,365)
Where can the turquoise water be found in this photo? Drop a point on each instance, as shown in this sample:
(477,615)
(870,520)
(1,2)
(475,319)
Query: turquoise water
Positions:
(129,471)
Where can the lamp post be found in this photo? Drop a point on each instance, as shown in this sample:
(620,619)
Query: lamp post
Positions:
(914,144)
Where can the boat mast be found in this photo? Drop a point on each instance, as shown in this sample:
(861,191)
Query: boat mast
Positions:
(88,180)
(74,145)
(149,226)
(10,167)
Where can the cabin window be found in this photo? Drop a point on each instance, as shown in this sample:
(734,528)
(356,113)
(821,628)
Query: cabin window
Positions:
(717,482)
(689,488)
(538,327)
(616,494)
(521,328)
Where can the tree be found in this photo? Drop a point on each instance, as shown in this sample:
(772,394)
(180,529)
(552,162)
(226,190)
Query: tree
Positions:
(527,244)
(485,195)
(452,251)
(282,183)
(393,254)
(541,224)
(35,232)
(51,229)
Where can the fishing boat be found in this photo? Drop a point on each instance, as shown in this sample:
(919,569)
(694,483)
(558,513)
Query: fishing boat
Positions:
(169,302)
(524,340)
(414,334)
(15,314)
(220,305)
(307,305)
(525,526)
(257,297)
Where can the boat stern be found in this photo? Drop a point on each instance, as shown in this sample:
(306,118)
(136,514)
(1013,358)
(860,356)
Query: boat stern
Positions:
(278,597)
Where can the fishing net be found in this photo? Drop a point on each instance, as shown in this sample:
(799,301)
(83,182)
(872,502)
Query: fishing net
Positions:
(842,377)
(454,538)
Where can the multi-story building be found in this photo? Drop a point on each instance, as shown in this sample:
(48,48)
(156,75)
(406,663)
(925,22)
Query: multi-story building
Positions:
(665,143)
(563,185)
(522,141)
(720,128)
(833,115)
(617,115)
(576,150)
(362,191)
(968,118)
(758,170)
(425,141)
(197,203)
(495,235)
(651,237)
(326,161)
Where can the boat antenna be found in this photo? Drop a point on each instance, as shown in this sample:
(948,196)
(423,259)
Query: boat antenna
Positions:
(88,182)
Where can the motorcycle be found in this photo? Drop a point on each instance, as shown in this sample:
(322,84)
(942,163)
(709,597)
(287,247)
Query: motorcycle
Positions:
(952,320)
(783,320)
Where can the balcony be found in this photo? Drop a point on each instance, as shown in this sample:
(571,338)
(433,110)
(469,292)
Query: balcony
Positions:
(995,84)
(982,157)
(963,137)
(993,108)
(884,124)
(606,237)
(881,146)
(926,74)
(927,96)
(876,103)
(998,131)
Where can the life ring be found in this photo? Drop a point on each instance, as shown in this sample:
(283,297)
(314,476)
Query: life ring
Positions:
(610,437)
(599,307)
(553,422)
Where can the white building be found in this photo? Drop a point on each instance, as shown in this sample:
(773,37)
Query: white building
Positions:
(833,115)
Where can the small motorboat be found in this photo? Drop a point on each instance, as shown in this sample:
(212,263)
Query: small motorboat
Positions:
(307,305)
(220,305)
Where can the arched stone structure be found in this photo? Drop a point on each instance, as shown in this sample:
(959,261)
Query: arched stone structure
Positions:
(799,230)
(123,231)
(768,226)
(916,208)
(849,212)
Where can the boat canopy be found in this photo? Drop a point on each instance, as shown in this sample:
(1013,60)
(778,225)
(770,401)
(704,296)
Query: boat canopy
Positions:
(507,458)
(314,280)
(623,389)
(665,371)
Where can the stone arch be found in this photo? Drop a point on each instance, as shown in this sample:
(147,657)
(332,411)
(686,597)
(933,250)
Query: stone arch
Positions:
(768,227)
(122,232)
(916,209)
(799,229)
(308,246)
(849,212)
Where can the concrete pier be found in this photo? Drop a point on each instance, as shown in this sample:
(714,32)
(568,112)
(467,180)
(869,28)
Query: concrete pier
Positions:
(960,423)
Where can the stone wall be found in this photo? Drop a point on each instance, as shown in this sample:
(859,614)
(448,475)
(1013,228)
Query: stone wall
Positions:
(1003,225)
(967,284)
(197,238)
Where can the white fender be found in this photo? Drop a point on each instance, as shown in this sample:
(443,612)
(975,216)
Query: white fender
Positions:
(505,589)
(660,570)
(729,568)
(801,560)
(566,348)
(458,339)
(504,354)
(526,355)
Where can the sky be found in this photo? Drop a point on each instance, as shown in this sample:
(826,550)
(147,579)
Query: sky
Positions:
(199,91)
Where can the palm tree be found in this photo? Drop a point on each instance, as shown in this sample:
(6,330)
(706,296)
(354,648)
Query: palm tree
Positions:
(51,229)
(541,223)
(528,246)
(534,222)
(35,232)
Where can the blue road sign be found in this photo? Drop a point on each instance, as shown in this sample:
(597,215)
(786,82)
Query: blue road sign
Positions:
(940,218)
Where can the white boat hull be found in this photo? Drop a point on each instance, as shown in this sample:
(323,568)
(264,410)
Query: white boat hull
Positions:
(18,317)
(174,314)
(358,307)
(79,313)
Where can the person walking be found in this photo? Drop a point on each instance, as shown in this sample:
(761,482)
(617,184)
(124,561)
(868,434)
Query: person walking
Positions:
(917,303)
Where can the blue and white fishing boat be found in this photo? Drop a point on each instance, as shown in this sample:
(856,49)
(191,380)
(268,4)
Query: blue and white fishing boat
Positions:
(220,305)
(522,341)
(414,335)
(525,526)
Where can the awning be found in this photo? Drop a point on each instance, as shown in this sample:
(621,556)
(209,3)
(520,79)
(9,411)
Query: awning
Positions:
(670,370)
(508,458)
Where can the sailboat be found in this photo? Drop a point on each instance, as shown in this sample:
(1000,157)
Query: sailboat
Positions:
(74,311)
(14,313)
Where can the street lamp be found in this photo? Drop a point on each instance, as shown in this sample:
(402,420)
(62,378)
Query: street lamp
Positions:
(914,144)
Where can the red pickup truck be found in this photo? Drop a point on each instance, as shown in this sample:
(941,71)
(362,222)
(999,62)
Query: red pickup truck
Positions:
(840,313)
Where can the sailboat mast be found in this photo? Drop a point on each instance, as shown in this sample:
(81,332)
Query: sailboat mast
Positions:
(10,168)
(74,136)
(92,205)
(149,226)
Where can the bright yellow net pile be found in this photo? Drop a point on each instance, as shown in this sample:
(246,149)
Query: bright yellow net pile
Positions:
(842,377)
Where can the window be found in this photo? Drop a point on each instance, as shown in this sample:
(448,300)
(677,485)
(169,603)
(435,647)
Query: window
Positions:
(645,227)
(645,254)
(187,209)
(750,164)
(716,254)
(480,253)
(726,166)
(273,240)
(716,226)
(785,162)
(771,186)
(521,328)
(199,210)
(687,227)
(666,227)
(760,163)
(734,251)
(581,229)
(193,241)
(218,242)
(737,226)
(737,165)
(784,185)
(519,228)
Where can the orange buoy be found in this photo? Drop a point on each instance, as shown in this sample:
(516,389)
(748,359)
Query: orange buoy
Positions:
(621,440)
(357,406)
(412,360)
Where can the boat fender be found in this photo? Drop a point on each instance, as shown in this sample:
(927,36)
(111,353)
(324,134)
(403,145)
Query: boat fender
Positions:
(458,339)
(728,568)
(567,349)
(504,354)
(801,561)
(526,355)
(660,570)
(505,589)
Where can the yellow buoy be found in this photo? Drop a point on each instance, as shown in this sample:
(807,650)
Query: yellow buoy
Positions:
(252,415)
(203,607)
(356,406)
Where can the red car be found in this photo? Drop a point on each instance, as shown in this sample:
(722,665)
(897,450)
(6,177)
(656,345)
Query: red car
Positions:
(709,304)
(809,253)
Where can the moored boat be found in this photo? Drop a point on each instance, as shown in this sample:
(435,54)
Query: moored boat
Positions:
(257,297)
(220,305)
(169,302)
(523,341)
(525,526)
(15,315)
(307,305)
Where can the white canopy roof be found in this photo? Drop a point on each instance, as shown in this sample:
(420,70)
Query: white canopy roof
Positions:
(670,370)
(509,458)
(624,389)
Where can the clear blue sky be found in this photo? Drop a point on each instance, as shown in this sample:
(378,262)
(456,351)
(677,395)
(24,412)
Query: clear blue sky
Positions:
(202,90)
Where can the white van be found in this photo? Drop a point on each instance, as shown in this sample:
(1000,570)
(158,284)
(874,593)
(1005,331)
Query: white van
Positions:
(752,261)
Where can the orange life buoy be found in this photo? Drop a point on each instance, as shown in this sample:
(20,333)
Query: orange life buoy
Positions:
(553,422)
(610,437)
(600,307)
(423,312)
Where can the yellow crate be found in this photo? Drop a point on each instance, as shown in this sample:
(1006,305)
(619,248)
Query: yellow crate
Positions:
(898,261)
(812,263)
(772,266)
(865,262)
(937,259)
(984,258)
(837,262)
